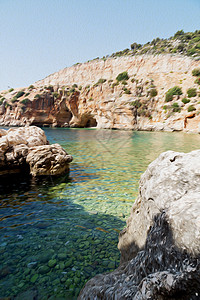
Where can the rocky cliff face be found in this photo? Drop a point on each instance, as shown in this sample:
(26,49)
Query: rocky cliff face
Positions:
(160,247)
(88,95)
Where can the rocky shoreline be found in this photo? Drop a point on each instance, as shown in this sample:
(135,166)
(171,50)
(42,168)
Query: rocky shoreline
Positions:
(26,150)
(160,247)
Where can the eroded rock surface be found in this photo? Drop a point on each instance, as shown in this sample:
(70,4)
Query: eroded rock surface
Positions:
(26,149)
(160,248)
(48,160)
(88,95)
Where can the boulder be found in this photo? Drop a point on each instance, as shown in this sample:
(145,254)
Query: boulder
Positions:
(26,149)
(160,247)
(48,160)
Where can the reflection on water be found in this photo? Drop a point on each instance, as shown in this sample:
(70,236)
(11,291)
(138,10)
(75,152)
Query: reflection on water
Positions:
(56,233)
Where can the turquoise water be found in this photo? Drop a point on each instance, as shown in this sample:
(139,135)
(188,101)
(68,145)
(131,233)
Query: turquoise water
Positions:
(58,233)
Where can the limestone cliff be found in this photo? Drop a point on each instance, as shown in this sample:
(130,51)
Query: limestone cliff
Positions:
(88,95)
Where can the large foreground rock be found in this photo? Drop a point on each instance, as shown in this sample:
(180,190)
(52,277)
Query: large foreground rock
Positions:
(160,248)
(26,149)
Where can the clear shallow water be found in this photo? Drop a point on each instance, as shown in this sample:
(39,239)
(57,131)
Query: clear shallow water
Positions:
(58,233)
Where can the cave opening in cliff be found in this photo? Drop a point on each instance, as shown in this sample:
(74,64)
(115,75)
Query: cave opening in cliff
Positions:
(88,121)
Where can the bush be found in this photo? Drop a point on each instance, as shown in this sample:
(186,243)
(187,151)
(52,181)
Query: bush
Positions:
(37,96)
(19,94)
(176,107)
(31,87)
(10,90)
(72,90)
(197,80)
(176,90)
(74,85)
(115,84)
(14,99)
(128,92)
(185,100)
(168,97)
(196,72)
(124,82)
(191,108)
(153,93)
(175,104)
(192,92)
(56,95)
(101,80)
(25,101)
(136,103)
(49,88)
(122,76)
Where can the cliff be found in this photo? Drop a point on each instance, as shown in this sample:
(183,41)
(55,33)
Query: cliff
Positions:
(89,95)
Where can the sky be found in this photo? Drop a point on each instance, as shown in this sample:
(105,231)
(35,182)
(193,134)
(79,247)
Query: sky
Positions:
(40,37)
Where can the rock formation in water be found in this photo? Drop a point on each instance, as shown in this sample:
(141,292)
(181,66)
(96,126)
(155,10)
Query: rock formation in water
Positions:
(160,248)
(92,95)
(26,149)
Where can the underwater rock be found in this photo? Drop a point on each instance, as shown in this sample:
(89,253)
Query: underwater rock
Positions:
(160,248)
(27,150)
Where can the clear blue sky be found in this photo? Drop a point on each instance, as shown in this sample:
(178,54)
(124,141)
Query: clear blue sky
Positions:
(39,37)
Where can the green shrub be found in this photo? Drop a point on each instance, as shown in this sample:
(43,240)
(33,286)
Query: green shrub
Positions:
(80,87)
(31,87)
(124,82)
(128,92)
(185,100)
(55,94)
(168,97)
(176,90)
(165,107)
(122,76)
(25,101)
(19,94)
(101,80)
(10,90)
(1,101)
(197,80)
(192,92)
(27,94)
(74,85)
(153,93)
(49,88)
(14,99)
(175,107)
(136,103)
(196,72)
(72,90)
(37,96)
(175,104)
(191,108)
(115,84)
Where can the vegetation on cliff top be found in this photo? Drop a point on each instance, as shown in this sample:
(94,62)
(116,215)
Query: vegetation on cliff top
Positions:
(186,43)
